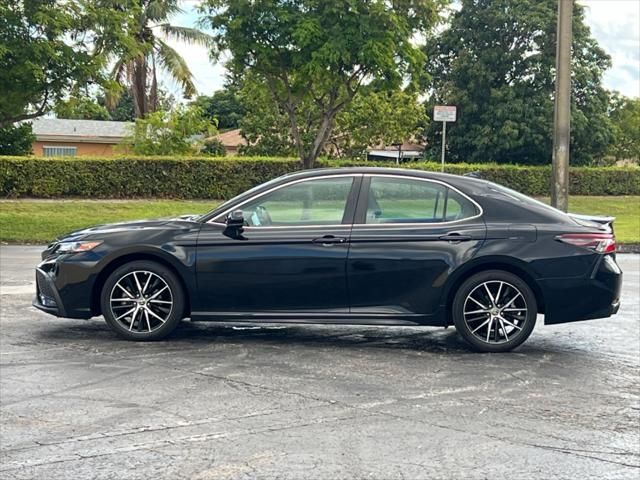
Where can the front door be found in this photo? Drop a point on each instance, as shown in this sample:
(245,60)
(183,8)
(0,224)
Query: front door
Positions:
(409,235)
(290,257)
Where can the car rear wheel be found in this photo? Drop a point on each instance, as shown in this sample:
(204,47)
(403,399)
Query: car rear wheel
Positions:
(142,300)
(495,311)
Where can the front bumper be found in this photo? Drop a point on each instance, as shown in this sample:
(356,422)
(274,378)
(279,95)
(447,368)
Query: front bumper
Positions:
(47,297)
(64,289)
(579,298)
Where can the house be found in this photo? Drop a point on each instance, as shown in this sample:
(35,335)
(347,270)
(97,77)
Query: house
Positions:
(396,153)
(57,137)
(231,140)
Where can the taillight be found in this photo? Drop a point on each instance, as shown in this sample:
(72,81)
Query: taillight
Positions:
(599,242)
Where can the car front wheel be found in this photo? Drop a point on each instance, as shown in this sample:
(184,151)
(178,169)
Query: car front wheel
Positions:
(495,311)
(142,300)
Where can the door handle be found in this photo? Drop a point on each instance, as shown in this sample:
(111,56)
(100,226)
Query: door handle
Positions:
(455,237)
(328,240)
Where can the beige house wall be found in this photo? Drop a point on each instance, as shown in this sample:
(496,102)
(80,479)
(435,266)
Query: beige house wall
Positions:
(83,148)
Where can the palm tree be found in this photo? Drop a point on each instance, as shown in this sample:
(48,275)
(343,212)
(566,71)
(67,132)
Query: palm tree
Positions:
(137,70)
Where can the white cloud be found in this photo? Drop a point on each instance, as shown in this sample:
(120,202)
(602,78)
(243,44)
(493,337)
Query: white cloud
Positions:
(208,77)
(615,24)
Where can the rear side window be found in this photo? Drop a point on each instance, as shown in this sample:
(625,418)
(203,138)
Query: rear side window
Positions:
(405,200)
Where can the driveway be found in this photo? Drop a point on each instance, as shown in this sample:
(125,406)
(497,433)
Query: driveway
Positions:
(220,401)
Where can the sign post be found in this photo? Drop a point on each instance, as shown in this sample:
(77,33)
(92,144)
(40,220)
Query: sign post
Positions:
(444,114)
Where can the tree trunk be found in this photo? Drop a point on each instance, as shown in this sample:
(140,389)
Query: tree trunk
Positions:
(295,132)
(322,136)
(153,95)
(139,88)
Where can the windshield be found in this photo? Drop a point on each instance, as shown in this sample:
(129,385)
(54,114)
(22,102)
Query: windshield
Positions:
(223,206)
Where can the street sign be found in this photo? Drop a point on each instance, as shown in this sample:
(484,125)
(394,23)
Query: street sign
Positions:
(444,113)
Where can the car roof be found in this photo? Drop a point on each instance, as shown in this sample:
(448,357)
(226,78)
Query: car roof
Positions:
(468,185)
(459,181)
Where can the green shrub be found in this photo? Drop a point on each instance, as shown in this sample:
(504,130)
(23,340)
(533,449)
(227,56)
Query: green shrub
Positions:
(17,139)
(213,147)
(221,178)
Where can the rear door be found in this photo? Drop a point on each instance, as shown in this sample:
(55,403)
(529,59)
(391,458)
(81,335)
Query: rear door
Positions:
(409,235)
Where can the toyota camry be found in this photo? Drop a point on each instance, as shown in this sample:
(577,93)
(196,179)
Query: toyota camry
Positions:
(344,246)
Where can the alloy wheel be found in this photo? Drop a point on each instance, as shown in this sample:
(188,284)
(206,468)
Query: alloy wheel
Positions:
(141,301)
(495,311)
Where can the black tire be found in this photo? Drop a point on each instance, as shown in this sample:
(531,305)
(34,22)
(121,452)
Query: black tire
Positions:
(507,322)
(167,304)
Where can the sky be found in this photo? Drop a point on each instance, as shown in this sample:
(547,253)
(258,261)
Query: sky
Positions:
(615,24)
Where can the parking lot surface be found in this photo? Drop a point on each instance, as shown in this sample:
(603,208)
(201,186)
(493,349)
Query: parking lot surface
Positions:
(220,401)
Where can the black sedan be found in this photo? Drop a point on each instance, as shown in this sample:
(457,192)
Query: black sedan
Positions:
(344,246)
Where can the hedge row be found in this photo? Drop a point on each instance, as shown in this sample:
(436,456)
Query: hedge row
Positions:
(222,178)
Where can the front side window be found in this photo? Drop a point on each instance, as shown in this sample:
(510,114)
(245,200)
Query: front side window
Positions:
(405,200)
(311,202)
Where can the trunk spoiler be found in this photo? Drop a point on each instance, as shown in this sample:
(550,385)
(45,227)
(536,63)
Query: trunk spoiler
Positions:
(606,222)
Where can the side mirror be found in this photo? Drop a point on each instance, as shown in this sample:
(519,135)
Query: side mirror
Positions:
(235,219)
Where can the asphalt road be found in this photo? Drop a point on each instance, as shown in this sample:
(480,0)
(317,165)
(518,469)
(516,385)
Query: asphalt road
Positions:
(218,401)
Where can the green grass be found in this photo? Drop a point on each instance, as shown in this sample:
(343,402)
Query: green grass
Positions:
(626,209)
(38,221)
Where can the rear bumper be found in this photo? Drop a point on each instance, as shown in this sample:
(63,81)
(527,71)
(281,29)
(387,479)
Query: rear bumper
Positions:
(579,298)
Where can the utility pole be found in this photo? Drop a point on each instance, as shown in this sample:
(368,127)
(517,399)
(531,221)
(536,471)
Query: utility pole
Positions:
(562,113)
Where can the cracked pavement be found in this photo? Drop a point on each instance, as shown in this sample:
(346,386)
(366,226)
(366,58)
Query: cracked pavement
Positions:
(219,401)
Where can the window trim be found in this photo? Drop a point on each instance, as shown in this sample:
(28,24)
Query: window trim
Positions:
(74,147)
(360,219)
(352,199)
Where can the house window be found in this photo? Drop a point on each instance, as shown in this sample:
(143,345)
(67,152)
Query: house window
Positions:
(50,151)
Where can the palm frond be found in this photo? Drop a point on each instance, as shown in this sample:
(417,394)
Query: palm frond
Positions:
(187,35)
(159,10)
(118,70)
(174,64)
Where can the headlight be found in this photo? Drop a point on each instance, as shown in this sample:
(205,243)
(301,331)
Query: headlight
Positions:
(75,247)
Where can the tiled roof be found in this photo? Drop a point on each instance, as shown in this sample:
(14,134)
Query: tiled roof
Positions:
(232,138)
(48,128)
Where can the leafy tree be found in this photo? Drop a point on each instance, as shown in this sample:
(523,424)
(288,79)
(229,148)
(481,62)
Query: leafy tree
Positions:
(47,47)
(224,106)
(625,115)
(265,126)
(319,53)
(167,133)
(377,118)
(121,110)
(137,69)
(374,117)
(16,139)
(124,109)
(81,108)
(496,62)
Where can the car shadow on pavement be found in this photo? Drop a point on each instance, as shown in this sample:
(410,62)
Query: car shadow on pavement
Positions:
(195,335)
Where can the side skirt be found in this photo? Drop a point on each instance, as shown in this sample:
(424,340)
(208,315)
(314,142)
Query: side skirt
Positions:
(328,318)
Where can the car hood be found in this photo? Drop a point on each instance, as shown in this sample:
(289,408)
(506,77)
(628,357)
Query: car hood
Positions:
(110,228)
